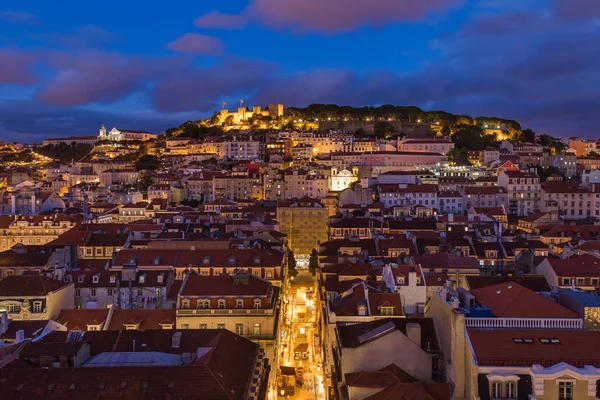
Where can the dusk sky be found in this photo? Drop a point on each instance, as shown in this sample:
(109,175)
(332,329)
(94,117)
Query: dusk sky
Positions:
(66,67)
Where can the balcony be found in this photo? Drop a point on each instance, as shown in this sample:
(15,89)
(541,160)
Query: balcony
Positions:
(524,323)
(204,312)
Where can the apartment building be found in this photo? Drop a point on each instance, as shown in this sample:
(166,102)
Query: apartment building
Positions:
(237,186)
(523,190)
(301,183)
(33,229)
(485,196)
(305,221)
(432,145)
(571,199)
(34,297)
(241,303)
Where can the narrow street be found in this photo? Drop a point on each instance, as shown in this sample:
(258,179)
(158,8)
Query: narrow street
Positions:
(300,346)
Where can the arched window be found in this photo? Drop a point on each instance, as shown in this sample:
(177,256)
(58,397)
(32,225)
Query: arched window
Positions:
(239,303)
(221,303)
(257,303)
(185,303)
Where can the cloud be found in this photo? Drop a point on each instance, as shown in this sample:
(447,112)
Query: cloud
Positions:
(576,9)
(15,66)
(30,121)
(197,43)
(215,19)
(330,16)
(97,77)
(201,89)
(17,17)
(83,37)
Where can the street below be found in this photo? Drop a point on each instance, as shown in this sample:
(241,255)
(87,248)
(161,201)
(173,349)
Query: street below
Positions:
(300,345)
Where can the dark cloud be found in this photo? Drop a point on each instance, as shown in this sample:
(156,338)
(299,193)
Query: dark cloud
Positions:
(577,9)
(192,88)
(198,44)
(215,19)
(97,77)
(16,66)
(328,16)
(30,121)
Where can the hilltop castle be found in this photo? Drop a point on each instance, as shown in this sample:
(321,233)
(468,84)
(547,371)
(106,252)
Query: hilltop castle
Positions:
(243,113)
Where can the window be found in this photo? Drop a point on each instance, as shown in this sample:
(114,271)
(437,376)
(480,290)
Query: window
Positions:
(204,303)
(185,326)
(239,303)
(581,281)
(220,326)
(185,303)
(203,326)
(496,391)
(140,292)
(239,329)
(37,306)
(566,281)
(594,281)
(386,310)
(510,390)
(93,292)
(565,390)
(221,303)
(257,303)
(78,292)
(256,329)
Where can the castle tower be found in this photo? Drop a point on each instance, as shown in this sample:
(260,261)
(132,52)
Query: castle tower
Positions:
(102,132)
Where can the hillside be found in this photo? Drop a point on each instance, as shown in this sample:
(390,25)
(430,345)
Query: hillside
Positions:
(340,117)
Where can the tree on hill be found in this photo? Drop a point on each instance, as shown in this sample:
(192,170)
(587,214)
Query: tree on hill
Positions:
(65,152)
(471,137)
(527,135)
(144,180)
(383,128)
(458,157)
(147,162)
(545,172)
(313,262)
(291,263)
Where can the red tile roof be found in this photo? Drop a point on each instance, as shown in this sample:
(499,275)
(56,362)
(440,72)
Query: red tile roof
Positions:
(450,262)
(414,391)
(78,320)
(145,319)
(511,300)
(581,266)
(224,373)
(225,285)
(29,285)
(497,347)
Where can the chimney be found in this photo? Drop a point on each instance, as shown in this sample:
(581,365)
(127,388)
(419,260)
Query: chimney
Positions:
(413,332)
(412,277)
(20,336)
(13,204)
(33,204)
(451,217)
(455,303)
(176,340)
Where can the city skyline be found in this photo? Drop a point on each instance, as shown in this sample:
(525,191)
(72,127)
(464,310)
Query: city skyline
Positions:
(67,68)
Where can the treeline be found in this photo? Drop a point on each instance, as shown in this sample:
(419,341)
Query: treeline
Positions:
(65,152)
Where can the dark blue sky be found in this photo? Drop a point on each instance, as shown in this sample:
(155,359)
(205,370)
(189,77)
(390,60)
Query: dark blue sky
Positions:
(66,67)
